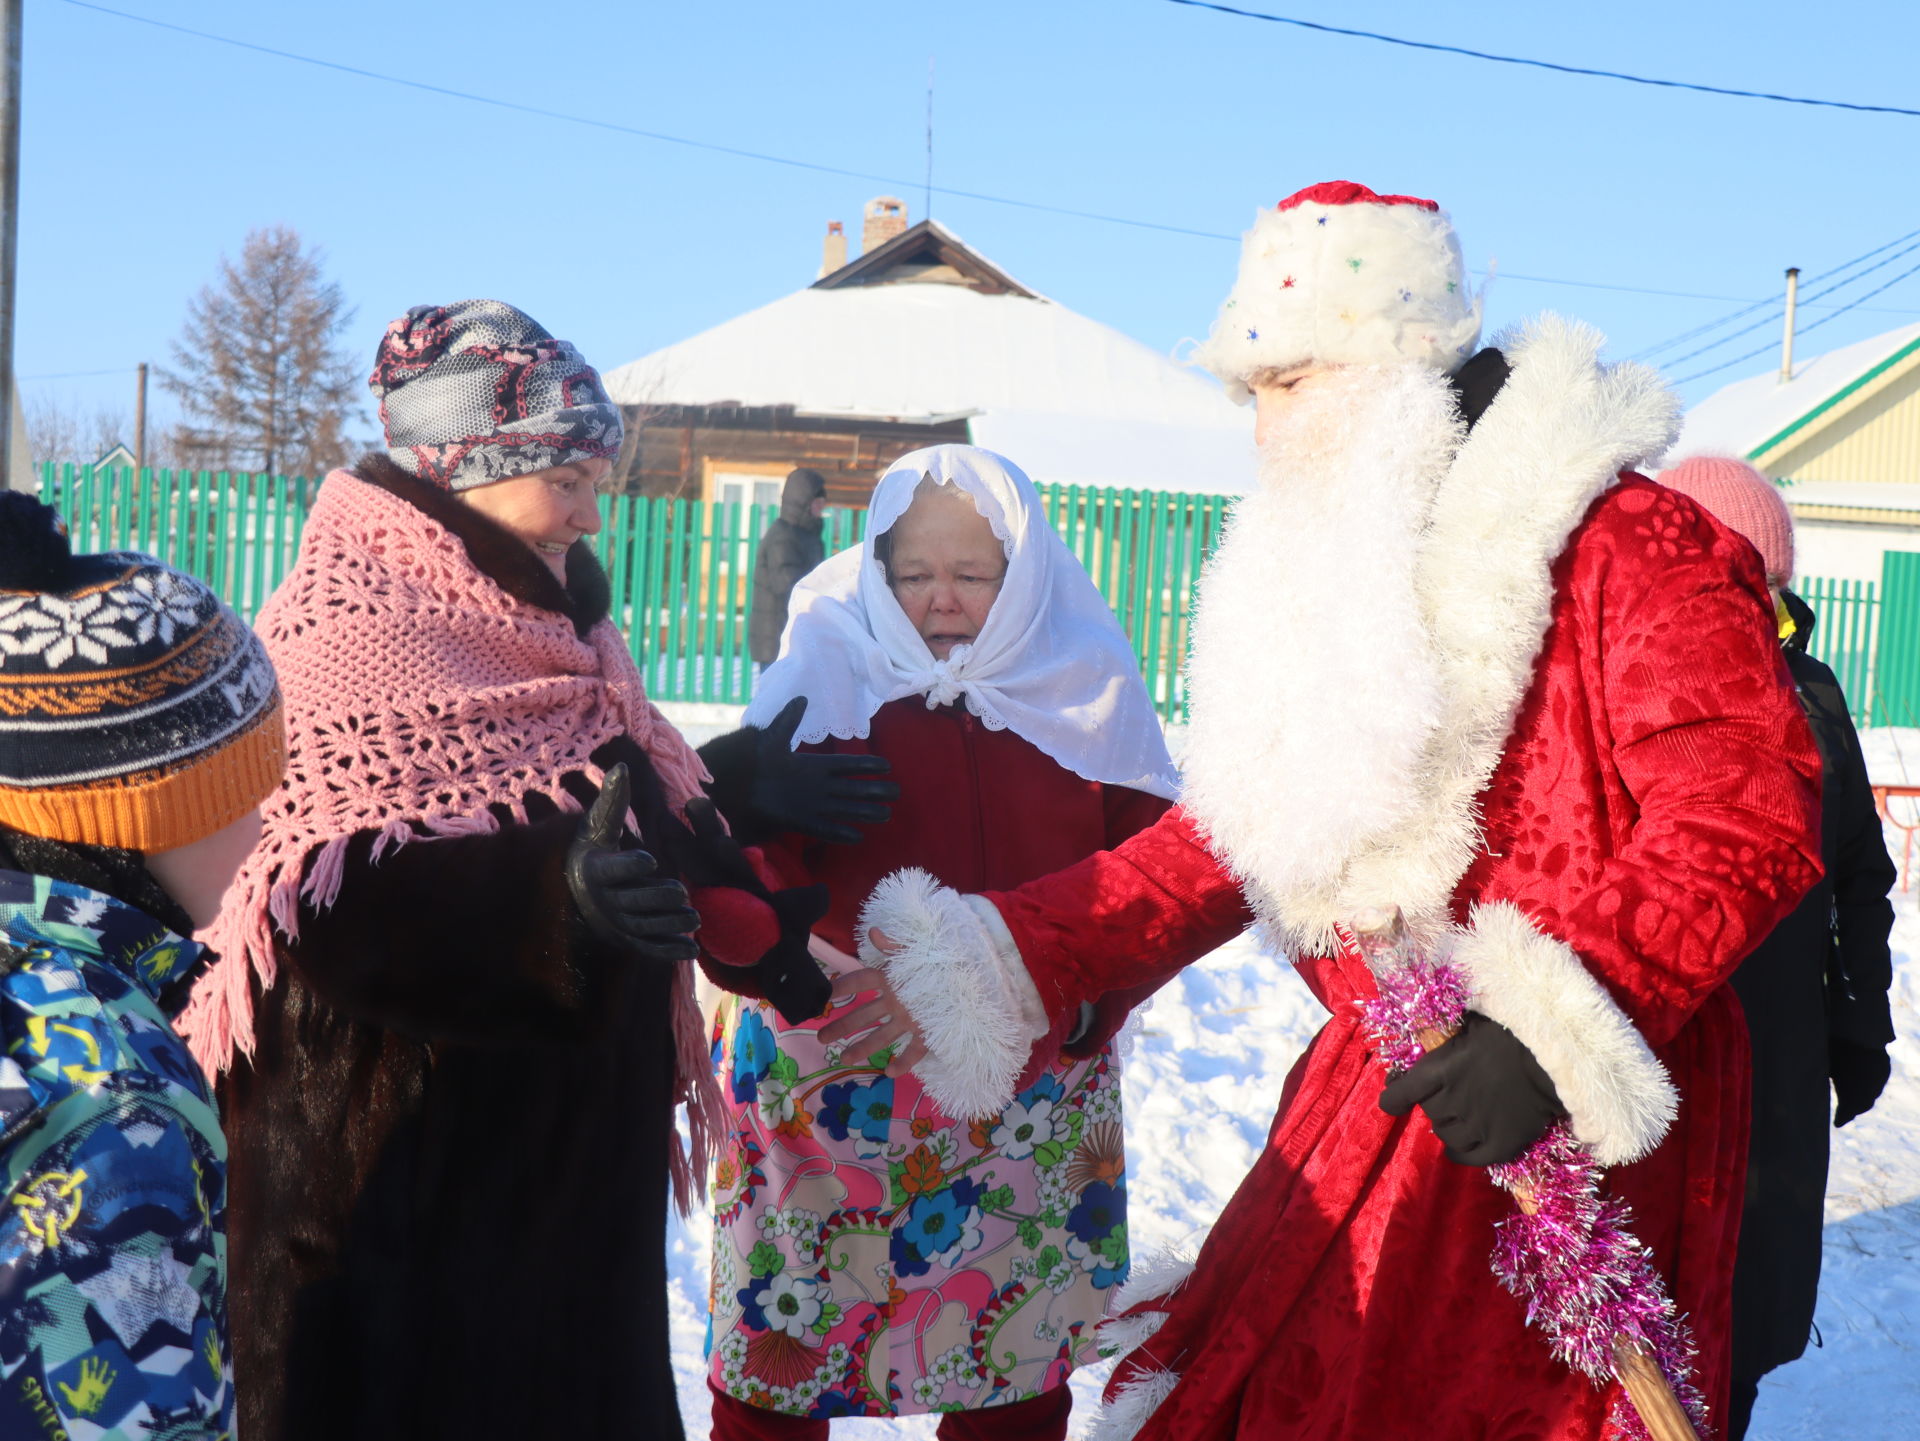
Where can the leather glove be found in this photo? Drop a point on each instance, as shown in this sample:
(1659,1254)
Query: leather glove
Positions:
(785,973)
(1859,1074)
(618,892)
(764,786)
(1485,1095)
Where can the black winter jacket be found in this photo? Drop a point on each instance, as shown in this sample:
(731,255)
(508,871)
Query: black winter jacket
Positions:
(1815,996)
(791,547)
(448,1183)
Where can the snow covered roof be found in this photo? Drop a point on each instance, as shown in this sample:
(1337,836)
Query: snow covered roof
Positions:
(1065,397)
(1746,417)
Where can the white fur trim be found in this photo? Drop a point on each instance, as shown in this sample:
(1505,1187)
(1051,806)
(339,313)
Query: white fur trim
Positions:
(1363,283)
(1615,1090)
(966,992)
(1120,1336)
(1551,443)
(1154,1277)
(1122,1418)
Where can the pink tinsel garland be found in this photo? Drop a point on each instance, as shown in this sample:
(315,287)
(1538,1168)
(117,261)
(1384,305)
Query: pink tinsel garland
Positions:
(1585,1279)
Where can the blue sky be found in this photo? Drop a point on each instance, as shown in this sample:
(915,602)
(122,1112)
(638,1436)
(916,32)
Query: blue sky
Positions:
(147,154)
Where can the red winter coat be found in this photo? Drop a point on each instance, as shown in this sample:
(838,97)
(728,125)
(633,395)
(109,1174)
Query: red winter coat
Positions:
(1656,809)
(978,809)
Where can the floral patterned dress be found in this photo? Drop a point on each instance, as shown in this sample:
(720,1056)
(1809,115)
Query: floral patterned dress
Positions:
(872,1256)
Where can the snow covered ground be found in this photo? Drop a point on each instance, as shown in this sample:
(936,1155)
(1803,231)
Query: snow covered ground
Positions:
(1201,1086)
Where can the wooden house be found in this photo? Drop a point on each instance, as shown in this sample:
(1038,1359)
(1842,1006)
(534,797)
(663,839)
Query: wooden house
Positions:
(919,340)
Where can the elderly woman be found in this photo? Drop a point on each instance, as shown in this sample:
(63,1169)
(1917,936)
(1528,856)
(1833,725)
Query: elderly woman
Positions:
(453,1010)
(872,1255)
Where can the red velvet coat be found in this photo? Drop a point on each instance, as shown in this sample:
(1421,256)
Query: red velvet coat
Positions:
(1656,808)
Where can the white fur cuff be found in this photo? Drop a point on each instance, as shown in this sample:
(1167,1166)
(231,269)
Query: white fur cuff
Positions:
(1615,1090)
(967,994)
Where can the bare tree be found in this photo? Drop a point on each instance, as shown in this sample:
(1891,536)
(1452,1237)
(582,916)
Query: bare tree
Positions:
(62,431)
(260,373)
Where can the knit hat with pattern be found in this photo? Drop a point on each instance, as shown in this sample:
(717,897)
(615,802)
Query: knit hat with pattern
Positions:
(477,391)
(1743,500)
(136,710)
(1338,275)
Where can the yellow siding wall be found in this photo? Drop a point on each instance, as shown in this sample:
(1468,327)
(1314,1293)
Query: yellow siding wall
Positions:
(1878,440)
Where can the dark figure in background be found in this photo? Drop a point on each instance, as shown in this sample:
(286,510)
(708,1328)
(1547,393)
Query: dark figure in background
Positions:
(791,547)
(1829,959)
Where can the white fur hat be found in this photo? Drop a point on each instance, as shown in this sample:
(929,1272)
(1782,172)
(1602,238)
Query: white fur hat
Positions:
(1342,276)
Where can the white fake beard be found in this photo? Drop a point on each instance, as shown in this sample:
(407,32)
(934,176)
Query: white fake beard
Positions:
(1314,683)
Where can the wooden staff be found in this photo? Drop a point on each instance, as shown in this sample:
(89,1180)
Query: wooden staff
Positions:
(1633,1366)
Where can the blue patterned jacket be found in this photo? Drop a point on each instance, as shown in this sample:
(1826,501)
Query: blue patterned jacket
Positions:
(113,1316)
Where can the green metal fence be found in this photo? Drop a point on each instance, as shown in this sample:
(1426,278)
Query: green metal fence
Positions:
(682,573)
(1848,612)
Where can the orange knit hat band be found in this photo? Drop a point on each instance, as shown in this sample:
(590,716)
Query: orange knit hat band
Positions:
(164,810)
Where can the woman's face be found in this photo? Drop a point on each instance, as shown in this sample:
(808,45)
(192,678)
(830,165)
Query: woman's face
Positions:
(946,568)
(548,509)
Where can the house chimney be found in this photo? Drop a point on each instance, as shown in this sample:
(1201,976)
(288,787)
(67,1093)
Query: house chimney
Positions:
(886,218)
(833,254)
(1786,342)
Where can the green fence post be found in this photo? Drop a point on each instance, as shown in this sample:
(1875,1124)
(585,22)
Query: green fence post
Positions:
(675,647)
(1896,671)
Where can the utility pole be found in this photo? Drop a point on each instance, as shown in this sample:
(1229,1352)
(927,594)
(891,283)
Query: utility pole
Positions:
(140,421)
(10,15)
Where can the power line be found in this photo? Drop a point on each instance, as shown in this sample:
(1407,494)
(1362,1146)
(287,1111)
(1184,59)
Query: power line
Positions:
(1537,64)
(738,152)
(1728,364)
(83,374)
(1713,325)
(892,182)
(1818,295)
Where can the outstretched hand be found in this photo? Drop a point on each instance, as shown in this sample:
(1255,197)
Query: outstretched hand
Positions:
(819,795)
(884,1015)
(618,893)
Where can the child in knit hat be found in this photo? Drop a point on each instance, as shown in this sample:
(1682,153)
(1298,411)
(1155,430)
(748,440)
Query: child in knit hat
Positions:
(139,731)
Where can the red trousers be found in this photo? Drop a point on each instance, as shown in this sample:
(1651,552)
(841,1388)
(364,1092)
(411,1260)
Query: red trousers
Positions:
(1044,1418)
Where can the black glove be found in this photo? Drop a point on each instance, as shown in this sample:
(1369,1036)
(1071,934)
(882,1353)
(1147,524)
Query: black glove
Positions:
(1484,1094)
(618,892)
(764,786)
(787,974)
(1859,1076)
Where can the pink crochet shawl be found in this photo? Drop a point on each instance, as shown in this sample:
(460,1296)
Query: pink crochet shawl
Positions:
(419,693)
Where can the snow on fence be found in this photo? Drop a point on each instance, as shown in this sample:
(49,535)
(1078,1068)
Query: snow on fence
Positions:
(682,573)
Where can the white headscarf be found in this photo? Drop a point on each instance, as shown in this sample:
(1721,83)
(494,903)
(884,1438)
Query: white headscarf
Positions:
(1051,663)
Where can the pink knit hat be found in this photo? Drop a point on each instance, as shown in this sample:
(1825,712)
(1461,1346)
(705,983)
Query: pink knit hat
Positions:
(1742,499)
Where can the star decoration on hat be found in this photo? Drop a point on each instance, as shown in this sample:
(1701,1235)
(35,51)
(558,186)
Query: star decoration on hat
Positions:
(1253,335)
(1406,295)
(1287,284)
(1356,262)
(1451,287)
(1323,220)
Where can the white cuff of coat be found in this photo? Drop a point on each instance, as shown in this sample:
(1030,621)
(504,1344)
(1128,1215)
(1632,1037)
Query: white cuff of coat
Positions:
(1618,1098)
(966,992)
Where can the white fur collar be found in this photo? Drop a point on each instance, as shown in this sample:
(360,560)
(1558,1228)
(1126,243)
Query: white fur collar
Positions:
(1553,441)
